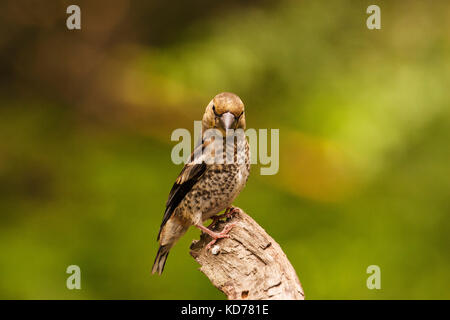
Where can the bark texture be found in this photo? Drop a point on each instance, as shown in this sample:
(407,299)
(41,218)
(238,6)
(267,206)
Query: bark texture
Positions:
(249,264)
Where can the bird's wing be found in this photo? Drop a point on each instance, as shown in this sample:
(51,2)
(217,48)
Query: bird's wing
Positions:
(190,174)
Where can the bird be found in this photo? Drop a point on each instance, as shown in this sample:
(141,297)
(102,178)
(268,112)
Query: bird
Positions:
(212,178)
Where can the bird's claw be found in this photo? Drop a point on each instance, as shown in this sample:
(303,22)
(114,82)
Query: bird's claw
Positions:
(229,212)
(232,211)
(220,235)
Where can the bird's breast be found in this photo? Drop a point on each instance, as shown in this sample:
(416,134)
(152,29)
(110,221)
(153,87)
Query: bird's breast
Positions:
(218,187)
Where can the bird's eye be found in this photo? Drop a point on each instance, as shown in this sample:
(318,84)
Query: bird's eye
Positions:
(214,109)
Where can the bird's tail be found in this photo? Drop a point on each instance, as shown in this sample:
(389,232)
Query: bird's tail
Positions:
(160,260)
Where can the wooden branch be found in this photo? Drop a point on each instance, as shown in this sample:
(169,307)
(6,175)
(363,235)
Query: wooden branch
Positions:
(249,264)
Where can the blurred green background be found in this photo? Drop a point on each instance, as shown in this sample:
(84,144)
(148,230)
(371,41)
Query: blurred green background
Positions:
(86,118)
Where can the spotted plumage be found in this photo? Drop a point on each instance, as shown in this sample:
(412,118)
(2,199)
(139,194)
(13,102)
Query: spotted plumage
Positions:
(215,175)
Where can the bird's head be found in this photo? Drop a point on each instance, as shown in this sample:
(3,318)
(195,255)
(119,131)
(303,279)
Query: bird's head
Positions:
(224,112)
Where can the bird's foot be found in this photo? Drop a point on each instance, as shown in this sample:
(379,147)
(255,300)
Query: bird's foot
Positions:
(220,235)
(229,212)
(216,235)
(232,211)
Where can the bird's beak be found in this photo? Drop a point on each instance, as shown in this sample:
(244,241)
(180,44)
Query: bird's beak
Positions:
(227,121)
